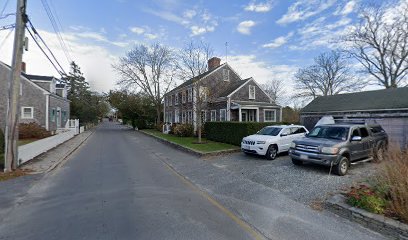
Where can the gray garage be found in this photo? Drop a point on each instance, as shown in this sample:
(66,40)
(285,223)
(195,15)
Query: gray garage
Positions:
(388,107)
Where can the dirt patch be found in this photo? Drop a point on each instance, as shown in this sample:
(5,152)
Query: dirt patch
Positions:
(317,205)
(14,174)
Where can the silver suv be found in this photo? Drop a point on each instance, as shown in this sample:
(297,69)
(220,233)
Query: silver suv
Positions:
(338,145)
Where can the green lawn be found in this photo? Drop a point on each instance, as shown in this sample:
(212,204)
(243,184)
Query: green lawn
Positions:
(188,142)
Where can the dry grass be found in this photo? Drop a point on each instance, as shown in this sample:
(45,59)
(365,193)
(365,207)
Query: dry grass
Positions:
(393,182)
(11,175)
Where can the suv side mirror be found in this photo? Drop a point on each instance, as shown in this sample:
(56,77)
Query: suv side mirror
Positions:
(284,134)
(356,139)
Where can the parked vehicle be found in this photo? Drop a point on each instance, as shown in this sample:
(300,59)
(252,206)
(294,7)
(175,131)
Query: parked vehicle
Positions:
(272,140)
(338,145)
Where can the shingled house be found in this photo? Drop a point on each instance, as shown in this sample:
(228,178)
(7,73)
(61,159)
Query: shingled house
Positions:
(388,107)
(225,96)
(43,100)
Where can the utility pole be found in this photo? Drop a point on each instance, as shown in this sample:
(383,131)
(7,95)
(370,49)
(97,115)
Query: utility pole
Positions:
(13,107)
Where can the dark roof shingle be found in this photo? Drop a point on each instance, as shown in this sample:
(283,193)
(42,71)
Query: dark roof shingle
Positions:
(38,77)
(232,87)
(370,100)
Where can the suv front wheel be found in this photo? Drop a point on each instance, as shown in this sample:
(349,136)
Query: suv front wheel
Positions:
(272,152)
(342,167)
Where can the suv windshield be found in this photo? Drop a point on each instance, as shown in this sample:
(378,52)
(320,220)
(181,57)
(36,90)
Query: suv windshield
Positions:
(330,132)
(272,131)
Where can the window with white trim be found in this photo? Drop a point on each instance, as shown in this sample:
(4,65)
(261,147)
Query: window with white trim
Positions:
(223,115)
(183,117)
(176,99)
(27,112)
(176,115)
(269,115)
(170,100)
(183,96)
(190,94)
(251,92)
(225,74)
(213,115)
(189,116)
(53,114)
(203,94)
(170,117)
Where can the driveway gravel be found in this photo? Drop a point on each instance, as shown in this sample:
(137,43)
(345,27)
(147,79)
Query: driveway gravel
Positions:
(305,184)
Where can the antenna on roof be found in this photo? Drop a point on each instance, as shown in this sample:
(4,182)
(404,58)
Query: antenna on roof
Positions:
(226,51)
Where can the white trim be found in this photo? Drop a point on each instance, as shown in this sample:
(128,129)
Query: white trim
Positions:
(270,110)
(32,113)
(240,116)
(225,72)
(229,109)
(236,90)
(281,114)
(215,116)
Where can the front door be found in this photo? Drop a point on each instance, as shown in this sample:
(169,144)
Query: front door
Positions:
(58,117)
(244,116)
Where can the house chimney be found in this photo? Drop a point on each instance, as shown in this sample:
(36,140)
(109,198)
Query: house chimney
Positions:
(23,67)
(213,63)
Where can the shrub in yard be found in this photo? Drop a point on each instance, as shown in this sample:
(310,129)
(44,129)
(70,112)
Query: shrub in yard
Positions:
(232,132)
(366,198)
(32,131)
(394,178)
(159,127)
(183,130)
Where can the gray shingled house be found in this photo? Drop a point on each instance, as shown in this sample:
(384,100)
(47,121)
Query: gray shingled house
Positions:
(43,100)
(388,107)
(228,97)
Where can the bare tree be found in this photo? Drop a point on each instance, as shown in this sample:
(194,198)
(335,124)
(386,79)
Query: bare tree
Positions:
(380,44)
(275,89)
(149,69)
(329,75)
(193,60)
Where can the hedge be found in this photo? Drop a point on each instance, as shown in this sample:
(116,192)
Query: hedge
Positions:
(1,142)
(233,132)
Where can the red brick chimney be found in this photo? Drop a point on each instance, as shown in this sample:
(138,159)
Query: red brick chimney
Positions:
(213,62)
(23,67)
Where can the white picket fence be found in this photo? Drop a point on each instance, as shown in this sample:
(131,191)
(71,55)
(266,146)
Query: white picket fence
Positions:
(32,150)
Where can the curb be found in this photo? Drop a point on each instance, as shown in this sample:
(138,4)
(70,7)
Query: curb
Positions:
(379,223)
(189,150)
(59,162)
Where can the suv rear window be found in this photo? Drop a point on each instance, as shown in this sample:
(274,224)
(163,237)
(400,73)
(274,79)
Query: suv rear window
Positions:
(330,132)
(377,129)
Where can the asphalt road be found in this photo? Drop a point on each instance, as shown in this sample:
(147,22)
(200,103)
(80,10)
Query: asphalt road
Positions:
(112,188)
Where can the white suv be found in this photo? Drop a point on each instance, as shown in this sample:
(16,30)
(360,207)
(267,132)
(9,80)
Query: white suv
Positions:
(272,140)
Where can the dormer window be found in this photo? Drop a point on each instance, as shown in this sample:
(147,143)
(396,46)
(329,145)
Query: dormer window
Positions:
(251,92)
(225,74)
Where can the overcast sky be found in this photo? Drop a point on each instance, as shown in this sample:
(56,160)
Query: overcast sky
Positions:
(266,39)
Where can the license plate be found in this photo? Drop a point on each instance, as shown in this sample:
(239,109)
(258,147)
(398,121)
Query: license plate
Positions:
(304,157)
(246,147)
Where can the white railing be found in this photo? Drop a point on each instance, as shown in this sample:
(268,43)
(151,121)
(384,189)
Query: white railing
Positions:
(32,150)
(167,128)
(73,124)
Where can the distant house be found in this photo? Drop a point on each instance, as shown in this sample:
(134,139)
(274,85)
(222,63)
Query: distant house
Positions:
(43,100)
(228,97)
(388,107)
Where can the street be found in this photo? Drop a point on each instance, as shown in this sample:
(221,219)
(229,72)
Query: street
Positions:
(112,188)
(122,184)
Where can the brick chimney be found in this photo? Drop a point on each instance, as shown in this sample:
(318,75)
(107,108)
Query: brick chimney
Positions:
(23,67)
(213,62)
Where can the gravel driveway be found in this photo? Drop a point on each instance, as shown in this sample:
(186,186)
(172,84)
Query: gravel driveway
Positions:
(305,184)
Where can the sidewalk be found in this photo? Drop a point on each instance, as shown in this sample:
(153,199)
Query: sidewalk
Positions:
(51,159)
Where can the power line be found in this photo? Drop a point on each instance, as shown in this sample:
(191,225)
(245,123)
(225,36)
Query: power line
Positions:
(4,8)
(5,27)
(38,44)
(56,29)
(7,15)
(45,44)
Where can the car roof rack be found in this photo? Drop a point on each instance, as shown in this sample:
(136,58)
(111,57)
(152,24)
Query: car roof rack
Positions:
(356,121)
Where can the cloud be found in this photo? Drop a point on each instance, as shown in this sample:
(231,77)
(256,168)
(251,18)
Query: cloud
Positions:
(137,30)
(198,21)
(95,60)
(245,27)
(190,13)
(304,9)
(151,36)
(260,7)
(277,42)
(99,37)
(347,9)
